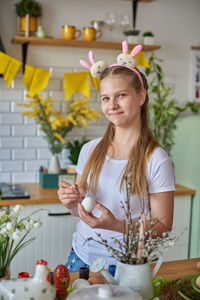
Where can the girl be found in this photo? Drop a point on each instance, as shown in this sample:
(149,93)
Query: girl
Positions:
(128,145)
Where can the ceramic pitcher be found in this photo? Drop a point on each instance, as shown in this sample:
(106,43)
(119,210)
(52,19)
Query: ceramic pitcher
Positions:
(137,277)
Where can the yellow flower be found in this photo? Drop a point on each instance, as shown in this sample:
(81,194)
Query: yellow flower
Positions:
(59,136)
(54,124)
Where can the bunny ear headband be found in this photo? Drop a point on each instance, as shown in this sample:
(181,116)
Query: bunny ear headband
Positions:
(123,60)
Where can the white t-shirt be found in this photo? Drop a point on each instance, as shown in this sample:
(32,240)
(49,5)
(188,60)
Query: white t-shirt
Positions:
(160,178)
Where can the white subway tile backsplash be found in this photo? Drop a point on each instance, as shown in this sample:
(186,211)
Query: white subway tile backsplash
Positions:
(11,166)
(34,165)
(56,106)
(35,142)
(23,154)
(58,72)
(18,82)
(76,132)
(43,154)
(2,84)
(54,84)
(29,121)
(5,130)
(14,95)
(5,154)
(57,95)
(94,130)
(6,177)
(22,130)
(8,119)
(16,108)
(11,142)
(21,177)
(4,107)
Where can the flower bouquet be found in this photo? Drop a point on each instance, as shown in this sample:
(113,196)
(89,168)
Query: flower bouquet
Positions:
(55,125)
(13,233)
(140,245)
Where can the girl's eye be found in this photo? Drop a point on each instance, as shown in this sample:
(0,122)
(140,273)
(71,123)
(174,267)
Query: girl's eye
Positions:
(105,98)
(121,95)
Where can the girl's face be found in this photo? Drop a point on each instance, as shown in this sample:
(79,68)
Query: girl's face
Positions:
(119,101)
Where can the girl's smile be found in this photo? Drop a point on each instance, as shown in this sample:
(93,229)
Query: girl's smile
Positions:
(119,101)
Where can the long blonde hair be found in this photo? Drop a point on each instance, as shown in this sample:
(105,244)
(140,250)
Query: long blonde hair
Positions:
(139,153)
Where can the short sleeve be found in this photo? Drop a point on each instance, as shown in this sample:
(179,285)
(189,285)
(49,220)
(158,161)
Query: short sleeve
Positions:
(85,153)
(160,172)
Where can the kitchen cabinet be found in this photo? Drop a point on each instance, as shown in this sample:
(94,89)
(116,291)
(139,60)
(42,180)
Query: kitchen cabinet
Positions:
(53,238)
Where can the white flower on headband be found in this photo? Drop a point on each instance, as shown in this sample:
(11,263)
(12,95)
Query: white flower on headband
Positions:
(126,59)
(123,60)
(96,68)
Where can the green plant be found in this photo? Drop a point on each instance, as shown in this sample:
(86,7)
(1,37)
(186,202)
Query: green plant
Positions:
(56,125)
(132,32)
(28,7)
(13,233)
(148,33)
(74,148)
(164,112)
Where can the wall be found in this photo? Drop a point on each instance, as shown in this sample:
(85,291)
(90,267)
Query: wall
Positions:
(22,148)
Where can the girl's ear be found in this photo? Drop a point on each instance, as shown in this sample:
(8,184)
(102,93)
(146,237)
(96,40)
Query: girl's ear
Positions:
(142,97)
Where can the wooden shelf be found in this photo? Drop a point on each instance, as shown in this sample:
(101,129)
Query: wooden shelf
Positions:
(140,0)
(195,47)
(32,40)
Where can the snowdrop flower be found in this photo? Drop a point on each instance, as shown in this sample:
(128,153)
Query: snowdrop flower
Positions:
(37,224)
(29,226)
(18,209)
(2,215)
(16,235)
(9,227)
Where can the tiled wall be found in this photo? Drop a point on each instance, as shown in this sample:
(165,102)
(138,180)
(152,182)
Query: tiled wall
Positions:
(22,146)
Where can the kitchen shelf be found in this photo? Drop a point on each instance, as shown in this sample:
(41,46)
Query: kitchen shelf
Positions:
(32,40)
(140,0)
(195,47)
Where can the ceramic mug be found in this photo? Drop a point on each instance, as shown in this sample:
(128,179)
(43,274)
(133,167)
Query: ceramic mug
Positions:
(70,32)
(91,34)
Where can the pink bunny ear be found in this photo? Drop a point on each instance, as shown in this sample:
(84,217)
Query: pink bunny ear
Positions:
(137,49)
(91,57)
(85,64)
(125,47)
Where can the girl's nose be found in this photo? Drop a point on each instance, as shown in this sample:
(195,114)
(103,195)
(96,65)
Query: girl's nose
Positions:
(113,103)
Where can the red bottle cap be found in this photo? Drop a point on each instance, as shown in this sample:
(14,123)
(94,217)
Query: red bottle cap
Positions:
(23,275)
(41,262)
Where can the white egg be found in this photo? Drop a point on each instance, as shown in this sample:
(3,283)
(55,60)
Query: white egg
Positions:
(88,204)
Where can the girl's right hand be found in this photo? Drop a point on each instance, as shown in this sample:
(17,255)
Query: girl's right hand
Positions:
(70,196)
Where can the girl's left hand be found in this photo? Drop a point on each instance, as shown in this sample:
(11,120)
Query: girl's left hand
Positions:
(106,221)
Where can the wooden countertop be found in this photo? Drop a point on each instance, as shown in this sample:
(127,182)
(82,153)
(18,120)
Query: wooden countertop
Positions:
(38,195)
(168,270)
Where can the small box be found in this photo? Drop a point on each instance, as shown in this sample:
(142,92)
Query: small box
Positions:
(51,181)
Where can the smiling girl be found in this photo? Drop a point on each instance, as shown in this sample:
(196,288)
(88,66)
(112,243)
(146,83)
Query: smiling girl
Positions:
(128,145)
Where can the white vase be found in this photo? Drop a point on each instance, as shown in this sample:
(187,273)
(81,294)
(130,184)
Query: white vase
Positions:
(148,40)
(133,39)
(54,165)
(137,277)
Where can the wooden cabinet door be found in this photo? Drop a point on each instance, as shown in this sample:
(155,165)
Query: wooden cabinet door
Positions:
(53,239)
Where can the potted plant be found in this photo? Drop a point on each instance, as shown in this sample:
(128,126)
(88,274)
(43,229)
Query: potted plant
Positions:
(56,126)
(132,36)
(137,250)
(163,112)
(74,148)
(148,38)
(14,229)
(28,11)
